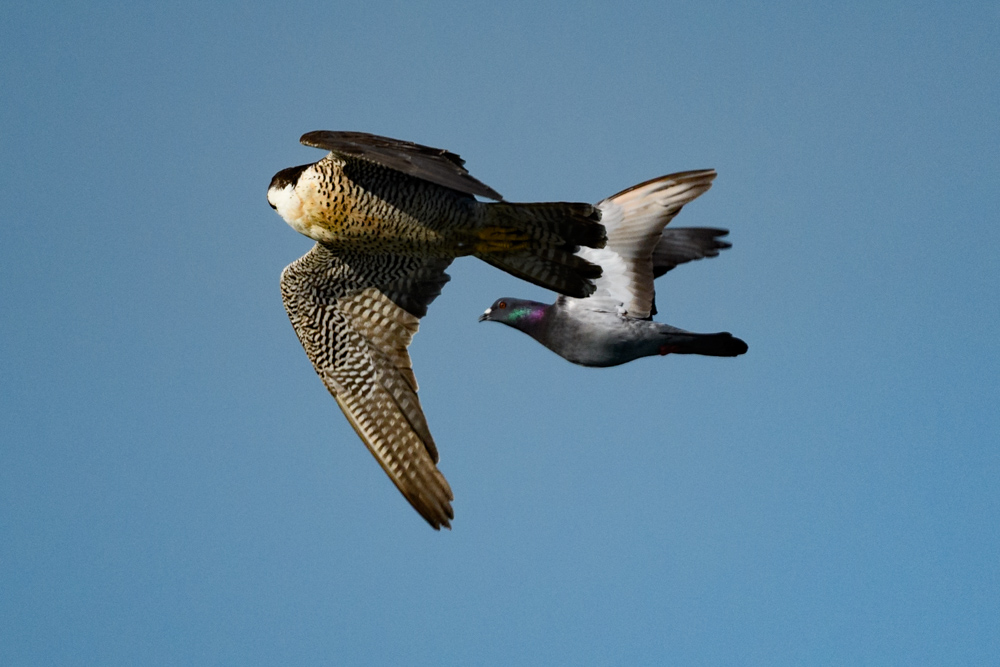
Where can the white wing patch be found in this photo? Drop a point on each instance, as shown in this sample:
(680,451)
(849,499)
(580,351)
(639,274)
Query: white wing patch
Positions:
(634,220)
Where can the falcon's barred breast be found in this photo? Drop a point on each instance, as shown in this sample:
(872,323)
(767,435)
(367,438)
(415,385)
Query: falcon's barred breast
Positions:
(388,217)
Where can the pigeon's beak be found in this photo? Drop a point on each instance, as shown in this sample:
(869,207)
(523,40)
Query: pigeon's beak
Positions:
(485,316)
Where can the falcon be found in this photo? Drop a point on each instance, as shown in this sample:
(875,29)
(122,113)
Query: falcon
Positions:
(388,217)
(615,324)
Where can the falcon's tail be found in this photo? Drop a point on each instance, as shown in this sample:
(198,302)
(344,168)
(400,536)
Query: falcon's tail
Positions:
(678,341)
(537,242)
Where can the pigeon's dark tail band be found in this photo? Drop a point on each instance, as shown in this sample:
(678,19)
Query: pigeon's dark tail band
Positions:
(722,344)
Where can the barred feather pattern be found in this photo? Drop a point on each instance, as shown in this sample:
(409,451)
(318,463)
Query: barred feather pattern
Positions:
(554,232)
(355,315)
(352,204)
(362,206)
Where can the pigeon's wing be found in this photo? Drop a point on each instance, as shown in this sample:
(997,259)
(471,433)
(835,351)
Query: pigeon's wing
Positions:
(679,245)
(634,219)
(355,315)
(431,164)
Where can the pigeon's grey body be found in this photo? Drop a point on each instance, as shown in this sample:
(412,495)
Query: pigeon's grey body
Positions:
(598,338)
(388,217)
(614,325)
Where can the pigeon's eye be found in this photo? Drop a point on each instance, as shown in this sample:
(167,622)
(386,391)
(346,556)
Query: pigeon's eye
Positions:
(501,304)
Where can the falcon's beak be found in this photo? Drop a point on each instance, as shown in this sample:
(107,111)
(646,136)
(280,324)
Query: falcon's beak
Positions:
(485,316)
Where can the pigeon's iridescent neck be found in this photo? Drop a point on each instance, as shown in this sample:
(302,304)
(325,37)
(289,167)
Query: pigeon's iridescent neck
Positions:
(529,313)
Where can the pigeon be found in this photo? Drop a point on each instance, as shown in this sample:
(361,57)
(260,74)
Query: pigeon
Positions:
(614,325)
(388,217)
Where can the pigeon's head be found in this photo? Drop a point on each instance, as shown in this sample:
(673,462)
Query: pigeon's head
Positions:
(281,193)
(517,313)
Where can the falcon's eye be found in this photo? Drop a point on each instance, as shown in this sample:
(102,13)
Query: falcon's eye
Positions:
(501,304)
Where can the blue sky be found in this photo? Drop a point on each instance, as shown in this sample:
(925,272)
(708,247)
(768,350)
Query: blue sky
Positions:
(177,487)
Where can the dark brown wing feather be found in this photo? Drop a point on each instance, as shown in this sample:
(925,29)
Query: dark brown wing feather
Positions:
(431,164)
(355,315)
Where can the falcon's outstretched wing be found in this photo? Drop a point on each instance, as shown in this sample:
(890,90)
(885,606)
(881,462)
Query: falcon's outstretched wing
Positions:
(431,164)
(355,315)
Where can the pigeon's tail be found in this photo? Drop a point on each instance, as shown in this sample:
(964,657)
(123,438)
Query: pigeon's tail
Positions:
(537,242)
(678,341)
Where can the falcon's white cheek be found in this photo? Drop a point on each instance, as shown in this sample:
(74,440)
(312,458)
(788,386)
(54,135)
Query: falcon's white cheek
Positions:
(288,205)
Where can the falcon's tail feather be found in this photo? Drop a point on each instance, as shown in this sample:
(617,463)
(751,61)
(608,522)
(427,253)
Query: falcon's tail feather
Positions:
(536,242)
(553,269)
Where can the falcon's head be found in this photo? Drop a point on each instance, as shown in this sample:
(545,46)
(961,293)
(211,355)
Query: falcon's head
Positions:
(281,193)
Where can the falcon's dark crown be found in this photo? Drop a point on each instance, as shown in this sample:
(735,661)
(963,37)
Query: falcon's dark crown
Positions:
(288,176)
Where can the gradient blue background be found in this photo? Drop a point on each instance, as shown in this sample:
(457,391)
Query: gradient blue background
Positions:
(176,486)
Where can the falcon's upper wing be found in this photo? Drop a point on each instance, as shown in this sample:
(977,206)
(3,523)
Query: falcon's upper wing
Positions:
(431,164)
(634,219)
(355,315)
